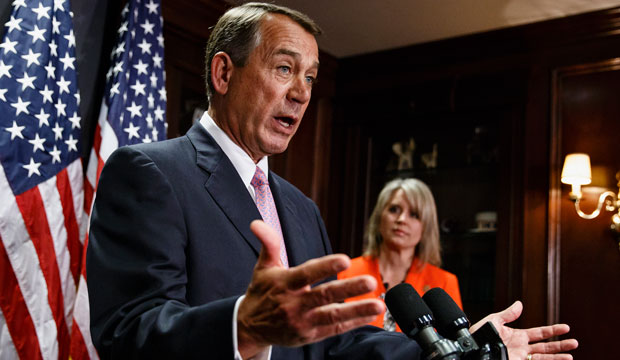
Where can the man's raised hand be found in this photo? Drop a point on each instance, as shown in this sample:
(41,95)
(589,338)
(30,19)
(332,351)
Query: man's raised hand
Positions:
(281,308)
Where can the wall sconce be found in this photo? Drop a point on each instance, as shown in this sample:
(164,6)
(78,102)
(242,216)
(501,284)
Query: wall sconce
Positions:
(577,172)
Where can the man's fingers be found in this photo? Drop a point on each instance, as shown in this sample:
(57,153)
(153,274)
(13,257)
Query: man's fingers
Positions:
(554,347)
(334,314)
(546,332)
(270,253)
(316,270)
(338,290)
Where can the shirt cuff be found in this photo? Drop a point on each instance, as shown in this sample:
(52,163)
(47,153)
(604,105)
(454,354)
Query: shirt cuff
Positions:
(263,355)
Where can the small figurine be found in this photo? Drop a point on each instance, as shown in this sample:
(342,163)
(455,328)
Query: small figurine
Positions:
(429,160)
(404,152)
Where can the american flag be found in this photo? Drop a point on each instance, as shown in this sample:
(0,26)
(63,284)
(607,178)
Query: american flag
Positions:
(133,111)
(41,194)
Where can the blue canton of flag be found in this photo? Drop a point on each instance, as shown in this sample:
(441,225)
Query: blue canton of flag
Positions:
(39,99)
(135,89)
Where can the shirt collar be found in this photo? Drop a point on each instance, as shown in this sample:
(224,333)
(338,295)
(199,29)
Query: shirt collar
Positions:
(241,161)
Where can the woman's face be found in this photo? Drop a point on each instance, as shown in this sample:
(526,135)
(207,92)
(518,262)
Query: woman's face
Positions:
(400,227)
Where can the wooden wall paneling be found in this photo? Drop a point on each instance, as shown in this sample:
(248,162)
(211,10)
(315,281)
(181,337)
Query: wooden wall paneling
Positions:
(587,274)
(186,30)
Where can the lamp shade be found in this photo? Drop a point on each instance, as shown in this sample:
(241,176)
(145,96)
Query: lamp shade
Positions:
(576,170)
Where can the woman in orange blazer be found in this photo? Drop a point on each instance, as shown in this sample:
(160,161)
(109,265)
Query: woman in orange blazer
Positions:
(402,245)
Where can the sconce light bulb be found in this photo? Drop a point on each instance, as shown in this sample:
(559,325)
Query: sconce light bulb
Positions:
(575,193)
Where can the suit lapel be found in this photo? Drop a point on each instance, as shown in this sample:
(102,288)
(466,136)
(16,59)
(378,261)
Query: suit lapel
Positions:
(224,185)
(289,221)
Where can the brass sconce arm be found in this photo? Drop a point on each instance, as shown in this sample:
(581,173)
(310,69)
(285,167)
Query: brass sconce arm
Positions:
(610,205)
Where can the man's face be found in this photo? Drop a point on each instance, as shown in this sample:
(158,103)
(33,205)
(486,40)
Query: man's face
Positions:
(267,97)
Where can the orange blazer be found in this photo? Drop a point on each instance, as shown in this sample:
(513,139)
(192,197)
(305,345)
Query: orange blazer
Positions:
(424,279)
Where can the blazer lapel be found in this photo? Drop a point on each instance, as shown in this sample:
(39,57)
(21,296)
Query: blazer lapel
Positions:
(290,223)
(224,185)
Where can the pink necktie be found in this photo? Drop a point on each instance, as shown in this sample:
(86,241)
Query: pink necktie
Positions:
(267,208)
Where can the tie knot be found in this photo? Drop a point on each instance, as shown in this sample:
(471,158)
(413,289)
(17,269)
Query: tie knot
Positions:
(259,178)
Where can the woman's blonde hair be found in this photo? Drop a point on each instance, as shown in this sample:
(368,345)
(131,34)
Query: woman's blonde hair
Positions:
(422,202)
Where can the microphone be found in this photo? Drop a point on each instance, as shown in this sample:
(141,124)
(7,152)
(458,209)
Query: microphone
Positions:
(450,320)
(416,321)
(484,344)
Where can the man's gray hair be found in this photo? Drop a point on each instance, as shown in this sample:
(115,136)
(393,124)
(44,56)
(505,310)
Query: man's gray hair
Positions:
(237,33)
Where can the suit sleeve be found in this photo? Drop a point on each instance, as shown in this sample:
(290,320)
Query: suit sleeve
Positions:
(137,272)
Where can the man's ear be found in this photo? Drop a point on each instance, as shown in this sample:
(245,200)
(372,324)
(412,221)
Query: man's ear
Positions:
(221,72)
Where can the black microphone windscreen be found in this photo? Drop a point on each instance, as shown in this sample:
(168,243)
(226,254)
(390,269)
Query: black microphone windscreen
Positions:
(406,306)
(449,317)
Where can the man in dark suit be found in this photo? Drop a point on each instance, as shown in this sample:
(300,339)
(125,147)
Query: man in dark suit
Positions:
(171,249)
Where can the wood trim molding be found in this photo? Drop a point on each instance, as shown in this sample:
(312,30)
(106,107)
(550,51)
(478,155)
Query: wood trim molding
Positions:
(555,191)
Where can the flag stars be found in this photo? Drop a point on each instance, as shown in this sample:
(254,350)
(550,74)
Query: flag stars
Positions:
(26,81)
(114,90)
(75,121)
(67,61)
(51,71)
(159,113)
(2,93)
(31,58)
(4,69)
(123,28)
(151,101)
(119,49)
(58,5)
(157,60)
(43,118)
(57,129)
(148,27)
(32,167)
(53,48)
(118,67)
(37,143)
(55,155)
(162,94)
(60,108)
(13,24)
(132,131)
(37,34)
(15,130)
(152,7)
(21,106)
(149,121)
(9,46)
(71,143)
(47,94)
(138,88)
(135,110)
(70,38)
(55,26)
(145,47)
(42,11)
(18,3)
(141,67)
(63,85)
(153,79)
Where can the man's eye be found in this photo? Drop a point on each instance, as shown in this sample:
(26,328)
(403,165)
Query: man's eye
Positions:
(284,69)
(310,80)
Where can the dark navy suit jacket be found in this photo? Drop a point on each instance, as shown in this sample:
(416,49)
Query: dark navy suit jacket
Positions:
(170,251)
